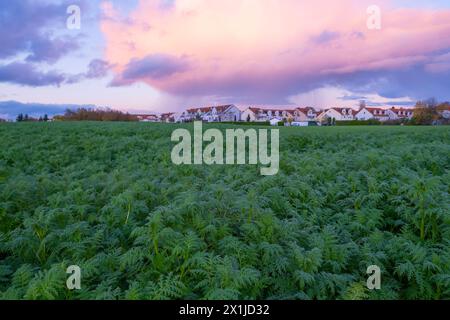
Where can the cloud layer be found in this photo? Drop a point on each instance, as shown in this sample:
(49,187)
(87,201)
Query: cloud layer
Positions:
(25,25)
(35,37)
(272,49)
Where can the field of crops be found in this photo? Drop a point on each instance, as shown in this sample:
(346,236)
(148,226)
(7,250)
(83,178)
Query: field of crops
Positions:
(106,197)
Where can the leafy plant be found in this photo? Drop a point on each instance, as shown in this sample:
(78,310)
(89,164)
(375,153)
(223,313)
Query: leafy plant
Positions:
(106,197)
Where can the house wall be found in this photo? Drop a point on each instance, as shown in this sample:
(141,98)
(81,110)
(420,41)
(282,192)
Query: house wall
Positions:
(347,116)
(364,115)
(246,114)
(392,115)
(331,114)
(446,114)
(231,114)
(299,116)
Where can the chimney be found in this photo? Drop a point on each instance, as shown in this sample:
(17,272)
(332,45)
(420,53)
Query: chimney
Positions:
(362,104)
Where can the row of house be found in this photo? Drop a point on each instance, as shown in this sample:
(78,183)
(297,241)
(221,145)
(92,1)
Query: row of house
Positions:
(254,114)
(338,114)
(384,114)
(225,113)
(165,117)
(231,113)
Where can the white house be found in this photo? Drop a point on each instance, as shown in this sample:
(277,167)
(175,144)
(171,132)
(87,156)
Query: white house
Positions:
(384,114)
(168,117)
(364,114)
(305,114)
(147,117)
(255,114)
(250,115)
(226,113)
(338,114)
(445,113)
(400,113)
(379,114)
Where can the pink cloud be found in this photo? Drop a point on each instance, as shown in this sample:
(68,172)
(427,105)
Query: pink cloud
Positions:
(220,47)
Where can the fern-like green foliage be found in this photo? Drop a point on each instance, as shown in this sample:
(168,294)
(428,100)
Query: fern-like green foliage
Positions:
(106,197)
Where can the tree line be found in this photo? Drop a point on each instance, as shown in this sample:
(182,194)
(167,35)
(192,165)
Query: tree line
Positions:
(26,118)
(86,114)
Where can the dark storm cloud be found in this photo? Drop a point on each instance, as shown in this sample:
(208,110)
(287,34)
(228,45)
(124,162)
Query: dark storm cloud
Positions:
(34,34)
(154,66)
(30,27)
(26,74)
(97,69)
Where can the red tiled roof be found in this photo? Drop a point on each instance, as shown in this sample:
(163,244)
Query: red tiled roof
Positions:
(397,111)
(194,110)
(340,110)
(257,110)
(401,109)
(375,109)
(222,108)
(379,112)
(306,110)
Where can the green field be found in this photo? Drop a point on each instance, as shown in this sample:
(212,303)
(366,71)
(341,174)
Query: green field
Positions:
(106,197)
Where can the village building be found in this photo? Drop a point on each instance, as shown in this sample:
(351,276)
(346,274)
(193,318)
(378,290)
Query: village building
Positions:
(305,114)
(401,113)
(445,113)
(255,114)
(225,113)
(147,117)
(384,114)
(301,116)
(379,114)
(337,114)
(168,117)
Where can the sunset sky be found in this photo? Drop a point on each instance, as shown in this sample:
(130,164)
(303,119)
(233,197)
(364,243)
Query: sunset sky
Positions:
(166,55)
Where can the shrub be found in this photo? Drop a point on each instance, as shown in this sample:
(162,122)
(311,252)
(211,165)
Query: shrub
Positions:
(372,122)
